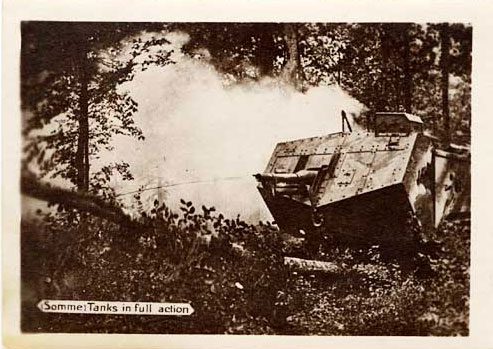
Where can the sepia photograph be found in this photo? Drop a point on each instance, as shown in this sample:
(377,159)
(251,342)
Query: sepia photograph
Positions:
(258,178)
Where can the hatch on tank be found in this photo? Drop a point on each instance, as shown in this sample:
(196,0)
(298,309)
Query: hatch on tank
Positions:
(387,123)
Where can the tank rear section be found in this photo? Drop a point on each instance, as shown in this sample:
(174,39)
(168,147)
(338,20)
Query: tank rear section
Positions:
(452,183)
(360,186)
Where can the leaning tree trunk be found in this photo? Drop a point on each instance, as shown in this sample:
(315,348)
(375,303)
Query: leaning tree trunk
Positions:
(444,65)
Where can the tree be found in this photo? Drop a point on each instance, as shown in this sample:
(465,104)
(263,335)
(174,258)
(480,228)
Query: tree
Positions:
(299,54)
(292,68)
(238,50)
(386,66)
(322,47)
(367,65)
(70,75)
(444,65)
(407,78)
(460,65)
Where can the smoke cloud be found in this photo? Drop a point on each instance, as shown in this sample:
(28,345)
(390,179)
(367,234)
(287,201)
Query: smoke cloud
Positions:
(206,138)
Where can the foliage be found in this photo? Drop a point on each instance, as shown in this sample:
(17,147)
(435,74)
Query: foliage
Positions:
(71,95)
(322,48)
(239,50)
(378,297)
(233,275)
(367,60)
(217,264)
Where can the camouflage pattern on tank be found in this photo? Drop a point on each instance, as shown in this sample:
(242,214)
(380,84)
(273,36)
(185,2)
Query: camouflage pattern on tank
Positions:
(365,185)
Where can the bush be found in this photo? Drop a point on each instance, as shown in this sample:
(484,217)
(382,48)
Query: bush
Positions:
(231,272)
(233,275)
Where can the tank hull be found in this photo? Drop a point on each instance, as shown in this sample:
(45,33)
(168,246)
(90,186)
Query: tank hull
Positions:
(365,186)
(374,218)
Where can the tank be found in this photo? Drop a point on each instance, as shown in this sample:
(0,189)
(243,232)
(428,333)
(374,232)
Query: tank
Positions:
(367,185)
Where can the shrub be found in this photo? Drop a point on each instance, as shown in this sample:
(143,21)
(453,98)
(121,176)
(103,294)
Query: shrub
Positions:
(233,274)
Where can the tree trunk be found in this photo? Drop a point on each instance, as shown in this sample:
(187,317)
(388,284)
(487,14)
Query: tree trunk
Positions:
(290,70)
(383,98)
(407,69)
(264,58)
(444,64)
(82,154)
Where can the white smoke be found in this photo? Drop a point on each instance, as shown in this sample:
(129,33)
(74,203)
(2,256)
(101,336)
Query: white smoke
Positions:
(200,129)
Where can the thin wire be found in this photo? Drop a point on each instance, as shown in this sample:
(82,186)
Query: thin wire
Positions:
(180,183)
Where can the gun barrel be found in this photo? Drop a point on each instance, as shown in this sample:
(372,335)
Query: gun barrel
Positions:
(304,176)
